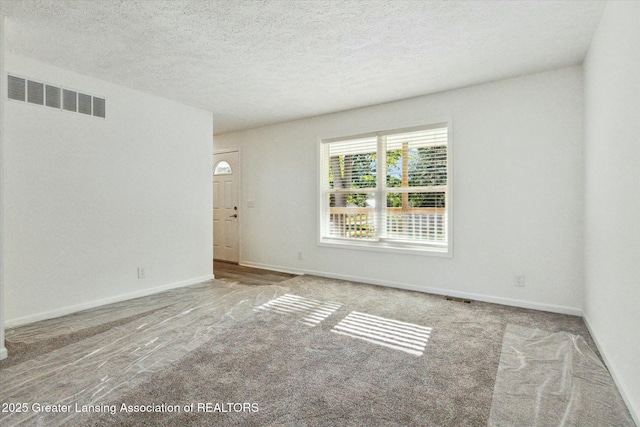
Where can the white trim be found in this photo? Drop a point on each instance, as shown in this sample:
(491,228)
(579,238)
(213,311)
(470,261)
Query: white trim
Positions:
(450,181)
(98,303)
(574,311)
(321,220)
(276,268)
(381,246)
(621,389)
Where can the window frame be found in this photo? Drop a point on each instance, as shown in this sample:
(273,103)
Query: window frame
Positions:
(384,244)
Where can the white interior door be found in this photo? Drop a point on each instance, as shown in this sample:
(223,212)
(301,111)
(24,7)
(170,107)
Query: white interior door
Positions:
(225,206)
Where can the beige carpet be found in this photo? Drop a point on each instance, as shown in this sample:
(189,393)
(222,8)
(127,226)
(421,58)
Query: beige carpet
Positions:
(310,351)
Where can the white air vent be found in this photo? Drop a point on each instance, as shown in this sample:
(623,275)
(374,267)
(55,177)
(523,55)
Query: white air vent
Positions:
(69,100)
(21,89)
(53,96)
(35,92)
(98,107)
(84,103)
(17,88)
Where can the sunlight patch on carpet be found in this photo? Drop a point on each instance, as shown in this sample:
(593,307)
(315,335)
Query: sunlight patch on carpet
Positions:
(407,337)
(313,312)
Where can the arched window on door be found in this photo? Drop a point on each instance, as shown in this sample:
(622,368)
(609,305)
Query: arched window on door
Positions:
(222,168)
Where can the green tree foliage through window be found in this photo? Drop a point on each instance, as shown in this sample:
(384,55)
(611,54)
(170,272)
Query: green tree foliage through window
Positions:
(352,171)
(386,187)
(427,167)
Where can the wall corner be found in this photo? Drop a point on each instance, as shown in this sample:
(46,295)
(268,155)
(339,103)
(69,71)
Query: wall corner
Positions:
(3,86)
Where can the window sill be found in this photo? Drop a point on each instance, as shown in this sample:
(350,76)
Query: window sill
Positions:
(390,247)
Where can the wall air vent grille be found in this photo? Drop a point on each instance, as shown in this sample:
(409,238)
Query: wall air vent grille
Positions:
(464,300)
(17,88)
(69,100)
(33,92)
(98,107)
(84,103)
(53,96)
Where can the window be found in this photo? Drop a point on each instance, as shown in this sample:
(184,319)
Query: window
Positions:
(388,190)
(222,168)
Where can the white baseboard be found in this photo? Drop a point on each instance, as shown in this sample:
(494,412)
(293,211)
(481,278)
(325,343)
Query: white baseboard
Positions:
(274,268)
(11,323)
(3,353)
(625,396)
(437,291)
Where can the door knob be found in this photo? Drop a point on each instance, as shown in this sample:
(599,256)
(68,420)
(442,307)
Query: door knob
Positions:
(233,216)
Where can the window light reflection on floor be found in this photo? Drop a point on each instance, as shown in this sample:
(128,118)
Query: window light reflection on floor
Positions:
(313,311)
(390,333)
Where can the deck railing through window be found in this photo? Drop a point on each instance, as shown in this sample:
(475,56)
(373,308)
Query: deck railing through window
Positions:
(421,224)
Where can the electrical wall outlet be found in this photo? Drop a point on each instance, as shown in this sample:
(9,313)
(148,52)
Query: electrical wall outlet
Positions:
(140,272)
(299,255)
(519,280)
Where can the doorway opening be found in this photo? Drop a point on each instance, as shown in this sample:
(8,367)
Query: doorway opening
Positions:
(226,213)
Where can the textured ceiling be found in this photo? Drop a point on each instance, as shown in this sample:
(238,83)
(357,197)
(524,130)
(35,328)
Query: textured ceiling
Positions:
(258,62)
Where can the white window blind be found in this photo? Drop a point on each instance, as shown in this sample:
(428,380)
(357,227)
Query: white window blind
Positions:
(388,189)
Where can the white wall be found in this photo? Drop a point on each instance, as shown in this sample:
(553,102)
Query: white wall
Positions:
(3,97)
(88,201)
(517,147)
(612,195)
